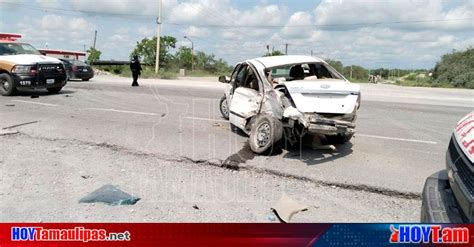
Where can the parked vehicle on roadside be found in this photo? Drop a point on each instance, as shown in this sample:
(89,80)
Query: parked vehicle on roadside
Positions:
(77,69)
(448,195)
(22,66)
(291,96)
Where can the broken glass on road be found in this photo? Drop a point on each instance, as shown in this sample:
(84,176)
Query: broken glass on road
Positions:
(110,195)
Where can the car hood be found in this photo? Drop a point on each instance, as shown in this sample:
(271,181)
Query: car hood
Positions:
(27,59)
(464,133)
(324,96)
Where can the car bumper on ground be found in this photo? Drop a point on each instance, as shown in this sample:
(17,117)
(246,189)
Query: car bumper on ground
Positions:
(34,81)
(438,202)
(330,127)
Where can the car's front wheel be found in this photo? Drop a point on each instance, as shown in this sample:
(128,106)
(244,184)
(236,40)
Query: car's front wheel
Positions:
(224,107)
(265,135)
(7,85)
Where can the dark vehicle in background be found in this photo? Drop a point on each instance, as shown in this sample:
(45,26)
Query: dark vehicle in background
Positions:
(448,195)
(77,69)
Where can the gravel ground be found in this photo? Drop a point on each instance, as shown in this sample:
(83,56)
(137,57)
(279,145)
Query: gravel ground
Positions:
(42,180)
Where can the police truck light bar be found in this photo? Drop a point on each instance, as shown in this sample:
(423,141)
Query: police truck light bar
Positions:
(10,36)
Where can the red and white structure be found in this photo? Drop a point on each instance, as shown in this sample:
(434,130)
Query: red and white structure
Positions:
(75,55)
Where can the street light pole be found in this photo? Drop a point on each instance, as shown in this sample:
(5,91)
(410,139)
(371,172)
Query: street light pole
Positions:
(158,35)
(192,52)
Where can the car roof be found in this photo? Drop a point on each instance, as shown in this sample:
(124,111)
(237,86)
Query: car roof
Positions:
(274,61)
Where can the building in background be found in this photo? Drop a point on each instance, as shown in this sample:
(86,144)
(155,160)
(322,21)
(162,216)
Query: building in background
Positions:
(72,55)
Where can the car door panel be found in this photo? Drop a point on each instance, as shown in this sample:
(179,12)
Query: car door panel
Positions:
(245,103)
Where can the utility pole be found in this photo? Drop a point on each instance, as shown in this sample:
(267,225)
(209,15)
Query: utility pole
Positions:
(286,49)
(192,52)
(158,35)
(95,39)
(311,52)
(351,73)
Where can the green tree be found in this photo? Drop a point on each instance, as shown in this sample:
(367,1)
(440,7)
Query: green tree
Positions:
(146,49)
(94,54)
(335,64)
(456,68)
(274,53)
(183,57)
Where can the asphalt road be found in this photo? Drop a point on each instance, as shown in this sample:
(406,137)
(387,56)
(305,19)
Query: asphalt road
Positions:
(166,142)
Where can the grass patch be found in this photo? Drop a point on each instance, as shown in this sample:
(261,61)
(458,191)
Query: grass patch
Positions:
(414,80)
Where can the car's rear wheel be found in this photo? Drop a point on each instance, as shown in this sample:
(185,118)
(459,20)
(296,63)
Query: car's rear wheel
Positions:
(7,85)
(339,138)
(55,89)
(265,135)
(224,107)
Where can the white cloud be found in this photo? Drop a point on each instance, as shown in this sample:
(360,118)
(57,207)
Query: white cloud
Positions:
(199,32)
(48,3)
(302,19)
(332,14)
(146,32)
(52,30)
(128,7)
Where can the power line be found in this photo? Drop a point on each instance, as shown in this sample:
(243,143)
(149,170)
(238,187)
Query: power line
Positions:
(215,17)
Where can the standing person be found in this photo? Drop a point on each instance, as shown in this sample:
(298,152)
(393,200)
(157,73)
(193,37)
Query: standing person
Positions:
(136,69)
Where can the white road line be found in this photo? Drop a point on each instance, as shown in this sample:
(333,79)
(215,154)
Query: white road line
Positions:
(121,111)
(397,139)
(34,103)
(207,119)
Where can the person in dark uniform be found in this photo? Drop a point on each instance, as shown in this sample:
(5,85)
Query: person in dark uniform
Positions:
(136,69)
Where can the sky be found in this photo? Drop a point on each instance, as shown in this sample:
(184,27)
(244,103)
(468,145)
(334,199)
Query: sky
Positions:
(373,33)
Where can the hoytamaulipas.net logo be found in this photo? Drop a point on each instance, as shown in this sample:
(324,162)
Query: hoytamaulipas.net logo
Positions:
(75,234)
(433,234)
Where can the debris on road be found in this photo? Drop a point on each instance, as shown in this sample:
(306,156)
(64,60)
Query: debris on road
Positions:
(86,176)
(10,105)
(67,96)
(286,207)
(34,96)
(7,133)
(110,195)
(271,217)
(163,115)
(18,125)
(195,207)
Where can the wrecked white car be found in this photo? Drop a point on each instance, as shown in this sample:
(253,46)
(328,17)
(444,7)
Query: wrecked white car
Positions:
(288,97)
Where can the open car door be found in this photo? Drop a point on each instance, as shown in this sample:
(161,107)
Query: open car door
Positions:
(246,97)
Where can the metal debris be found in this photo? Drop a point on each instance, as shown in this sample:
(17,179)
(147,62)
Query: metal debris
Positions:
(195,207)
(8,133)
(18,125)
(286,207)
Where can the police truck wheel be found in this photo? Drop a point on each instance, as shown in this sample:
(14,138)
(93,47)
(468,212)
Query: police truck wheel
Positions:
(265,135)
(7,85)
(224,108)
(55,89)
